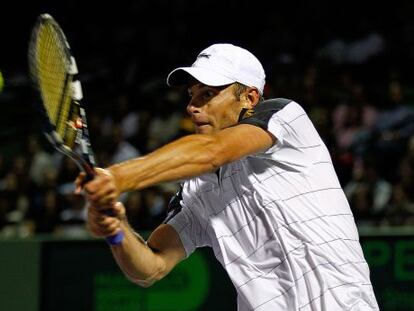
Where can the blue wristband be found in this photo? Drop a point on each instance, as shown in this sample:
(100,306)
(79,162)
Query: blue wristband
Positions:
(115,239)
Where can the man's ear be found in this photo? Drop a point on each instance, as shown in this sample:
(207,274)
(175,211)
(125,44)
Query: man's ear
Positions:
(251,97)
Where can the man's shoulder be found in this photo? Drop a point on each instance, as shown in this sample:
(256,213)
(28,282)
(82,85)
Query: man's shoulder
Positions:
(274,103)
(266,108)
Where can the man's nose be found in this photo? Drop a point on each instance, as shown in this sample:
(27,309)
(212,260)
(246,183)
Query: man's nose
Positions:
(192,108)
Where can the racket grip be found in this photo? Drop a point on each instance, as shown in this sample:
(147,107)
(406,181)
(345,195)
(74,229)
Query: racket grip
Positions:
(89,176)
(115,239)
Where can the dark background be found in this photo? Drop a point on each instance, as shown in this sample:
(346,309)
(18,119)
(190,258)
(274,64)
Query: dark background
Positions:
(159,35)
(122,47)
(125,46)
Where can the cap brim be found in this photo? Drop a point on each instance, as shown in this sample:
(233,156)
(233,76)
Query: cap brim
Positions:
(182,75)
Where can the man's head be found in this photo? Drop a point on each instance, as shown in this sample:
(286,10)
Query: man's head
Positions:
(222,64)
(222,81)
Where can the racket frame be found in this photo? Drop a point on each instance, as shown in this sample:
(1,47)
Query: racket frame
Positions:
(85,161)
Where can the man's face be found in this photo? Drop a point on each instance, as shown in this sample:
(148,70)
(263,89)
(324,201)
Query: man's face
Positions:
(213,108)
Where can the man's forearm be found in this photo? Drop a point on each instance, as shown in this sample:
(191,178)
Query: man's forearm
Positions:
(137,260)
(186,157)
(191,156)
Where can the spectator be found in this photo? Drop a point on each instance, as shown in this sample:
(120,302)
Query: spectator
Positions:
(401,209)
(368,194)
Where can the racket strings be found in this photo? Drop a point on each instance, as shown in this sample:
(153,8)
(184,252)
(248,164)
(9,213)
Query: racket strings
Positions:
(54,81)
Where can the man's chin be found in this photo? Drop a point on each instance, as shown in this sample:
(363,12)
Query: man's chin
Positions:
(204,129)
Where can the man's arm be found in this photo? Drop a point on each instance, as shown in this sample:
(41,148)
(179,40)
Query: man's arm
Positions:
(145,263)
(186,157)
(142,262)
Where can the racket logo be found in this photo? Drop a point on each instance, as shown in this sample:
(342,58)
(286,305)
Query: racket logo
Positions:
(75,124)
(78,123)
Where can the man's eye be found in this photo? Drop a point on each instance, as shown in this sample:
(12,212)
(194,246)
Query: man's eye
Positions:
(208,94)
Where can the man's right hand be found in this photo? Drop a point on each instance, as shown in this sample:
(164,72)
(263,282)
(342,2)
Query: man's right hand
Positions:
(102,190)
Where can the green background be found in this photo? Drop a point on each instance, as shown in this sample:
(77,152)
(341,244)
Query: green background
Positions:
(47,274)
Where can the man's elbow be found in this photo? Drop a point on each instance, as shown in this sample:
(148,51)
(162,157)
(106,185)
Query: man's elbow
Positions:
(150,279)
(144,284)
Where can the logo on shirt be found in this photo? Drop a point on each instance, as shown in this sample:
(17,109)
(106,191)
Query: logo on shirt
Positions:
(174,206)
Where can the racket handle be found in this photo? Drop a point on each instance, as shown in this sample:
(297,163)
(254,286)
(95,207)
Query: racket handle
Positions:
(115,239)
(90,174)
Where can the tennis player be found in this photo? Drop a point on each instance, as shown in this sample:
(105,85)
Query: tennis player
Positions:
(260,189)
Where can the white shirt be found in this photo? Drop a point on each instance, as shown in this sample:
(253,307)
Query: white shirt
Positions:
(279,222)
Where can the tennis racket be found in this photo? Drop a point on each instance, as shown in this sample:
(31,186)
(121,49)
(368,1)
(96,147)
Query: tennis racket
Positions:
(54,73)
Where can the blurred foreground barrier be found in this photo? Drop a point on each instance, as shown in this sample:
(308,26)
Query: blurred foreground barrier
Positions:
(45,274)
(49,275)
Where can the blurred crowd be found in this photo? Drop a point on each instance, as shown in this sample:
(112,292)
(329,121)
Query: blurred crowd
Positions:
(357,88)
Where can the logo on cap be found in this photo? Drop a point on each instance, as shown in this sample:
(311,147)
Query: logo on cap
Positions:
(205,55)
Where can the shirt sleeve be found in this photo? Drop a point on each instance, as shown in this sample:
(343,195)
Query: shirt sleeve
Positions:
(298,143)
(181,218)
(263,112)
(271,116)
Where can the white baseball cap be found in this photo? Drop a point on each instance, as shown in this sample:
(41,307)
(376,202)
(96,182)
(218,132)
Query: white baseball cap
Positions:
(222,64)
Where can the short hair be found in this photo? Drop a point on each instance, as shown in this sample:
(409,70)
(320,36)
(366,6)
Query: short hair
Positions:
(240,88)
